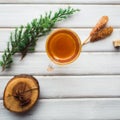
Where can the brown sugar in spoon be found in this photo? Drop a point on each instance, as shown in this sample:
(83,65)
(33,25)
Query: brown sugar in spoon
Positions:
(21,93)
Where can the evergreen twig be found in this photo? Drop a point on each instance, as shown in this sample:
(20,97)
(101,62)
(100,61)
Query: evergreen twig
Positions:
(24,38)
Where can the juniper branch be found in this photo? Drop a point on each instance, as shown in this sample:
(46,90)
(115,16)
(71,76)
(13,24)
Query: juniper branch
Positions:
(24,38)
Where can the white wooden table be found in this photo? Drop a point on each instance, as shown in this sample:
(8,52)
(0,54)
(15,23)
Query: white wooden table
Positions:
(89,88)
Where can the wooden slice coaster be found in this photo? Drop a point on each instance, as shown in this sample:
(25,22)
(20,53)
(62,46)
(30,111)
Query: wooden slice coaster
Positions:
(21,93)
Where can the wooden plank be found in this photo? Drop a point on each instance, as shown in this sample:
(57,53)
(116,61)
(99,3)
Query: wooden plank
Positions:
(68,109)
(104,45)
(73,86)
(87,64)
(15,15)
(61,1)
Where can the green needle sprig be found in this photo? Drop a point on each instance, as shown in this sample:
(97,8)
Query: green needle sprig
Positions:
(24,38)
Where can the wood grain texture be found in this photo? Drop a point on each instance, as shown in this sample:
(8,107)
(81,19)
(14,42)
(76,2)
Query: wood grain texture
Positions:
(87,64)
(61,1)
(105,45)
(89,88)
(73,86)
(68,109)
(15,15)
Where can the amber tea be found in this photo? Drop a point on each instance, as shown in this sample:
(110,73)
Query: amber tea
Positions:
(63,46)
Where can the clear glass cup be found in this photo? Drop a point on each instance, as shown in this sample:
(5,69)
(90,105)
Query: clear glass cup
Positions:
(63,46)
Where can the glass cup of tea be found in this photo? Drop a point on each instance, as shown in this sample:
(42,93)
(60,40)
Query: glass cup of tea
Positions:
(63,46)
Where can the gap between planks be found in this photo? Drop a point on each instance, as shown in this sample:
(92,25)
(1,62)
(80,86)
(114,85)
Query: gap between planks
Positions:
(37,3)
(78,99)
